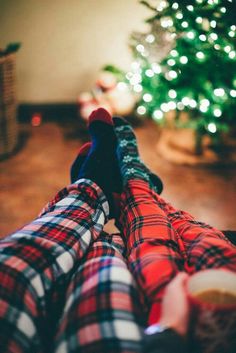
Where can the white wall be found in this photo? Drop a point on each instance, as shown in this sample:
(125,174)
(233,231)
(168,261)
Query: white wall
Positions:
(66,42)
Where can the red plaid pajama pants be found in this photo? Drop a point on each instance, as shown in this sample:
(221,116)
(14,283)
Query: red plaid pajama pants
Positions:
(65,286)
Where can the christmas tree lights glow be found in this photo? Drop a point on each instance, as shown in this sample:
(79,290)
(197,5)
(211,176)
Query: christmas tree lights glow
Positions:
(187,62)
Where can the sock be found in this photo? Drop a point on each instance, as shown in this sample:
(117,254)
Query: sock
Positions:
(78,162)
(131,166)
(101,165)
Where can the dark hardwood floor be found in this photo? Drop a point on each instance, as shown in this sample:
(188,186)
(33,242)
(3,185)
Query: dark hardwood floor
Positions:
(41,167)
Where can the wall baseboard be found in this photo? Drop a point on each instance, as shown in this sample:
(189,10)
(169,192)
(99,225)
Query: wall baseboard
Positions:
(50,111)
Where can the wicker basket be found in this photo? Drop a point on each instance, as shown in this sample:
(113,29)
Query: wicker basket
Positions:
(8,105)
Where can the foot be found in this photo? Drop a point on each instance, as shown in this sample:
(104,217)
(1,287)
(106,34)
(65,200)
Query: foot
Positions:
(131,166)
(101,165)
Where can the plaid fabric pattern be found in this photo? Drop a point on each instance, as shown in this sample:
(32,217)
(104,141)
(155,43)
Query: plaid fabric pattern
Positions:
(162,241)
(102,311)
(37,262)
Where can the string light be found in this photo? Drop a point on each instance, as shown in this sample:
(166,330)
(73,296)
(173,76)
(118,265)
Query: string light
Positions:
(199,20)
(150,38)
(172,93)
(174,53)
(232,55)
(212,127)
(227,49)
(219,92)
(171,62)
(164,107)
(223,10)
(179,15)
(172,74)
(233,93)
(185,101)
(190,7)
(214,36)
(171,105)
(231,34)
(138,88)
(190,35)
(156,68)
(202,37)
(175,6)
(157,114)
(180,105)
(149,73)
(135,79)
(217,112)
(141,110)
(213,24)
(147,97)
(183,59)
(200,55)
(184,24)
(140,48)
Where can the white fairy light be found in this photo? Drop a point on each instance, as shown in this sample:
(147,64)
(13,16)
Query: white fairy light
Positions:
(233,93)
(205,102)
(172,93)
(184,24)
(179,15)
(172,74)
(141,110)
(147,97)
(138,88)
(156,68)
(191,35)
(135,79)
(174,53)
(190,7)
(171,105)
(217,112)
(212,127)
(166,22)
(232,54)
(183,59)
(223,10)
(150,38)
(171,62)
(163,4)
(140,48)
(192,103)
(213,24)
(164,107)
(175,6)
(227,48)
(149,73)
(185,101)
(231,34)
(214,36)
(199,20)
(219,92)
(217,47)
(180,106)
(157,114)
(200,55)
(135,65)
(202,37)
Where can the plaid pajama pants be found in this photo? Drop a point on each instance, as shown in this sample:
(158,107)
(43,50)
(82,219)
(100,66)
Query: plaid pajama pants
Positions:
(65,286)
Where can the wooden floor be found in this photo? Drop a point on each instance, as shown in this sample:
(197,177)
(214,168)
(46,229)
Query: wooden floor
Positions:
(41,167)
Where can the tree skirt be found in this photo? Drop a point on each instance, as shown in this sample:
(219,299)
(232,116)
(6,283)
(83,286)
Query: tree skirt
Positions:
(178,146)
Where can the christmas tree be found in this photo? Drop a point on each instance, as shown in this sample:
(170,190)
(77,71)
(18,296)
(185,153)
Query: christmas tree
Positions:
(187,63)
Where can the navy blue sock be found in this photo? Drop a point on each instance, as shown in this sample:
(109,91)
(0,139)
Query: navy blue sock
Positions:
(101,165)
